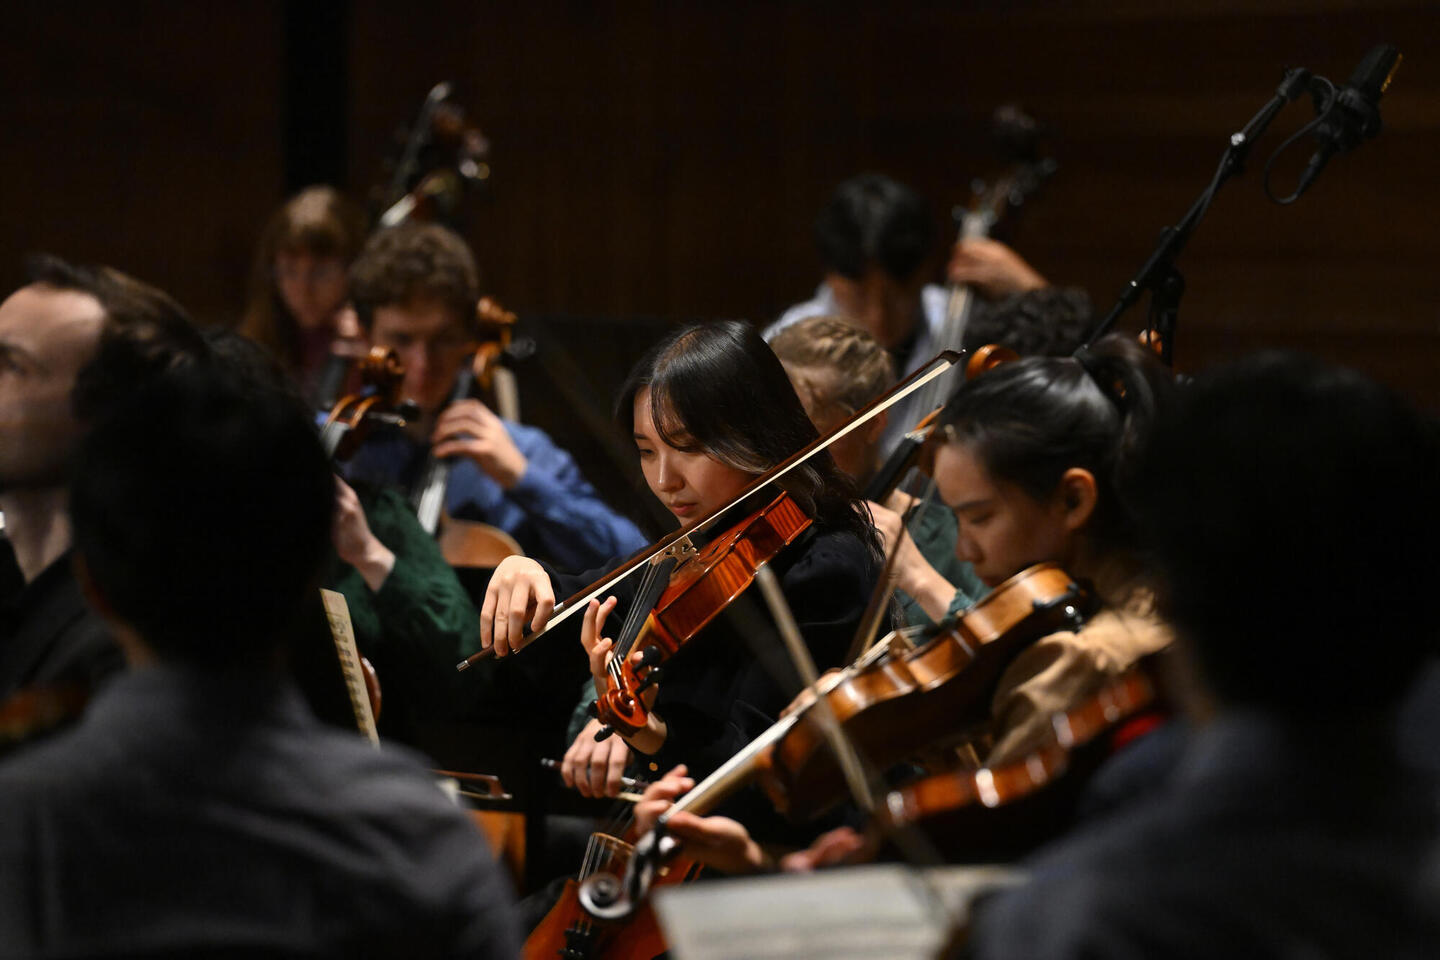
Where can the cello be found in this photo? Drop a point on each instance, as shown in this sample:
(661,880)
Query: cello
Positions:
(468,543)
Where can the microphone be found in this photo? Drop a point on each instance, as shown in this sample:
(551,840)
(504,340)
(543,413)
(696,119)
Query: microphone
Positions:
(1354,113)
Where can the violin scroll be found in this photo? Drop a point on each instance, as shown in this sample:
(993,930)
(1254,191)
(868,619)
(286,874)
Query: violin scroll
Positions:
(987,358)
(700,585)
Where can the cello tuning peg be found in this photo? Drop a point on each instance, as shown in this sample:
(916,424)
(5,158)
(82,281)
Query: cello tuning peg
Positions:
(603,734)
(651,656)
(593,710)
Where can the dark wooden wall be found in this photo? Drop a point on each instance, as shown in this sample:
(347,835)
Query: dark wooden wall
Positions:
(667,159)
(145,135)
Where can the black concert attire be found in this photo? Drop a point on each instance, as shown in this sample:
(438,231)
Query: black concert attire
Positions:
(200,814)
(49,637)
(1271,839)
(721,691)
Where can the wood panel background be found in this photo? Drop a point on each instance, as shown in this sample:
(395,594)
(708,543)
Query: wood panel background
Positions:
(666,160)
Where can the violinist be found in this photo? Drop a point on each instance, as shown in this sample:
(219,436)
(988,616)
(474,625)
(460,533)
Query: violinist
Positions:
(1036,463)
(297,304)
(53,334)
(415,289)
(1292,825)
(709,409)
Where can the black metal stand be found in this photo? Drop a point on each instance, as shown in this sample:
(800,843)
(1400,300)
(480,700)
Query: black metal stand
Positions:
(1159,275)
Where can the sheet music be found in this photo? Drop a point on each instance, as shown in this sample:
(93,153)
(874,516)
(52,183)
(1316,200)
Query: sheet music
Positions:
(882,911)
(342,631)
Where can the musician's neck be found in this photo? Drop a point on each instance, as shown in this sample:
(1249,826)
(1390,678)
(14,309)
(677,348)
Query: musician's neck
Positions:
(37,524)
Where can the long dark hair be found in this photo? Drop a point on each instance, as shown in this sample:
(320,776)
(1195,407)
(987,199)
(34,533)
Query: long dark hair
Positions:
(1031,420)
(719,388)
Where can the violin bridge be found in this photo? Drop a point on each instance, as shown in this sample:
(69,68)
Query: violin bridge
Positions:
(679,551)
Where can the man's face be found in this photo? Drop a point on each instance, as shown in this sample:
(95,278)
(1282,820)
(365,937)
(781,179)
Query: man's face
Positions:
(878,303)
(46,336)
(432,343)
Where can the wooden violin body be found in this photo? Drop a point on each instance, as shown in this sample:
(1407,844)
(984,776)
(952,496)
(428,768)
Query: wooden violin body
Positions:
(569,933)
(895,705)
(941,793)
(700,585)
(892,705)
(1005,812)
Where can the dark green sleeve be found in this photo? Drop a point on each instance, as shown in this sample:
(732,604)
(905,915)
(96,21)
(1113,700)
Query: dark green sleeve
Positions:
(417,626)
(421,604)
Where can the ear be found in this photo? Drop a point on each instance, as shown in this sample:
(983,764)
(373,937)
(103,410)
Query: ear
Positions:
(1076,497)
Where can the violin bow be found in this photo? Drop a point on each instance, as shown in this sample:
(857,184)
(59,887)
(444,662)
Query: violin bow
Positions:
(940,365)
(886,586)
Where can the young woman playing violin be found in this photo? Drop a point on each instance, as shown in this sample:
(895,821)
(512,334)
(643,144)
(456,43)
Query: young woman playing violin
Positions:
(710,408)
(1034,463)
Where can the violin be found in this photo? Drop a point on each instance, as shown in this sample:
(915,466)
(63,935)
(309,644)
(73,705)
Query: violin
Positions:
(698,585)
(468,543)
(676,545)
(994,787)
(568,932)
(893,703)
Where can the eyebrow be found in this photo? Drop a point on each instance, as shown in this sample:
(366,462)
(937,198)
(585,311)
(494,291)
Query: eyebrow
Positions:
(972,504)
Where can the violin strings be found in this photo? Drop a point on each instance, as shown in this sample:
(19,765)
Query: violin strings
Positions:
(630,627)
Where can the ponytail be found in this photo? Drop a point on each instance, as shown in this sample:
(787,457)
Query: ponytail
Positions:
(1031,420)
